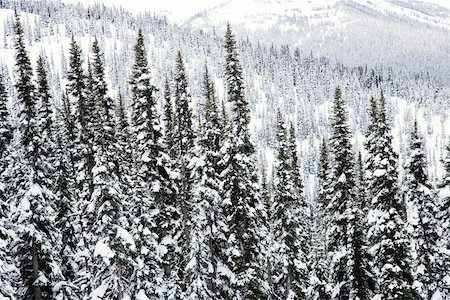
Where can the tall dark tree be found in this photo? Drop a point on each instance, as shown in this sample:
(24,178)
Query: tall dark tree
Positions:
(8,271)
(80,108)
(152,184)
(349,266)
(38,244)
(168,115)
(424,209)
(388,240)
(319,287)
(444,221)
(182,146)
(110,243)
(206,202)
(242,205)
(288,214)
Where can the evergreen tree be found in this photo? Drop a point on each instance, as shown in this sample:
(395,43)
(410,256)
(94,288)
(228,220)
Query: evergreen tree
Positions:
(289,212)
(318,286)
(349,267)
(294,158)
(168,115)
(206,201)
(67,222)
(387,237)
(242,207)
(423,211)
(8,271)
(82,121)
(6,130)
(183,142)
(444,221)
(111,245)
(153,209)
(38,244)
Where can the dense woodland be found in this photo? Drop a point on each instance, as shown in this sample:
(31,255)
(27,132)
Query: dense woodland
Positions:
(123,198)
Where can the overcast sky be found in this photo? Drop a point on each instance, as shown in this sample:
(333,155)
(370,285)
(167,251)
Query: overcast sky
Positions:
(180,9)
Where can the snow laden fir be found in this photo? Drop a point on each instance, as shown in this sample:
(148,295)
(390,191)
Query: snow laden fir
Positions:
(106,198)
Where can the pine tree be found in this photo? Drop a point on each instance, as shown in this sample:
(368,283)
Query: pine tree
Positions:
(387,237)
(444,221)
(294,158)
(349,268)
(66,218)
(124,145)
(318,287)
(38,244)
(423,211)
(8,271)
(183,142)
(206,201)
(242,207)
(168,115)
(153,209)
(6,130)
(111,245)
(289,212)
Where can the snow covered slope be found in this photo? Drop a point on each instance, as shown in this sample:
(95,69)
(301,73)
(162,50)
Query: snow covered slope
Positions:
(410,33)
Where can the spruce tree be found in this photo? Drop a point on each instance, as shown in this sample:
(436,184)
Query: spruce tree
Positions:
(183,142)
(242,207)
(389,244)
(6,130)
(8,271)
(168,115)
(349,266)
(111,245)
(38,244)
(318,285)
(288,214)
(81,118)
(153,208)
(444,221)
(66,217)
(206,200)
(427,267)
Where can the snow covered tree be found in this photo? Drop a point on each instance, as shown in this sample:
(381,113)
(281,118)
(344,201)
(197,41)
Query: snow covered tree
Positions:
(349,266)
(6,130)
(181,152)
(318,285)
(444,221)
(110,244)
(290,230)
(294,158)
(427,268)
(8,271)
(37,247)
(153,207)
(168,115)
(242,205)
(389,244)
(206,201)
(81,115)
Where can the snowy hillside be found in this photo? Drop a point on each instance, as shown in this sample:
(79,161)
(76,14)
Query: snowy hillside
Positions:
(411,33)
(151,159)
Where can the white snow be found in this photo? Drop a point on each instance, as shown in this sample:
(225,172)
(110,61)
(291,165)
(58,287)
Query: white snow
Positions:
(99,292)
(141,295)
(379,172)
(103,250)
(126,236)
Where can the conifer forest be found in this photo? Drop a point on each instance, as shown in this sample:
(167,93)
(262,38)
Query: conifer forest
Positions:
(142,159)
